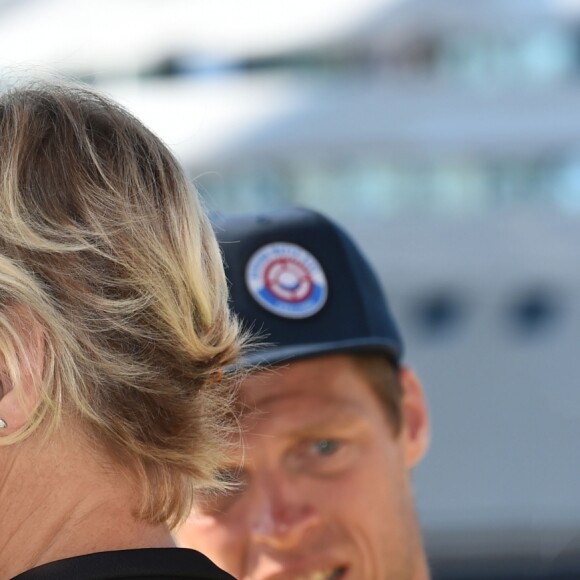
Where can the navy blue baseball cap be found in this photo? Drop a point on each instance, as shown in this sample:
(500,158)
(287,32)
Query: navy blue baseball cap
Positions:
(299,281)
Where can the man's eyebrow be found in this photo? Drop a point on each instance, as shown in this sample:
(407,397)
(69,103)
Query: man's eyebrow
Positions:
(346,418)
(291,424)
(232,471)
(315,399)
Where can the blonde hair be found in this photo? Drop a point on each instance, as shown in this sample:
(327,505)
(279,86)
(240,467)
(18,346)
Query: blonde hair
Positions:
(104,242)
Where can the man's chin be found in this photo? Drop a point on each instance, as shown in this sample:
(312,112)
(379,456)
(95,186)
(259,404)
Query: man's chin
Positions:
(327,572)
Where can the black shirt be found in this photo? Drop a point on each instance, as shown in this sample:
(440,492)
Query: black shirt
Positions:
(146,564)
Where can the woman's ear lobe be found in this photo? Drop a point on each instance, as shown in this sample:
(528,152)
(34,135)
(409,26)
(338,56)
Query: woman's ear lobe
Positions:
(416,425)
(14,413)
(18,401)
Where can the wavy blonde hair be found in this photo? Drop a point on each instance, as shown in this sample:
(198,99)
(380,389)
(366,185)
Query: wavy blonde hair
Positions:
(104,242)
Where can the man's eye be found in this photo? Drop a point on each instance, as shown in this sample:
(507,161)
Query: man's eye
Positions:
(231,478)
(322,456)
(219,501)
(325,447)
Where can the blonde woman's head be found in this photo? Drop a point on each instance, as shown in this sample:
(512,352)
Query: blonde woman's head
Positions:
(104,246)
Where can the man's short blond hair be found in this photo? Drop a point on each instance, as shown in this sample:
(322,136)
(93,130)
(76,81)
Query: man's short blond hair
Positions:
(382,375)
(104,243)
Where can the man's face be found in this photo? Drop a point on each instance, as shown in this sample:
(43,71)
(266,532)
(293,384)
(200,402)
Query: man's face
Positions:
(326,492)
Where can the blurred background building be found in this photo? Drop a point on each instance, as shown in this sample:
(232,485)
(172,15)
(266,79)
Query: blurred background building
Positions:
(445,135)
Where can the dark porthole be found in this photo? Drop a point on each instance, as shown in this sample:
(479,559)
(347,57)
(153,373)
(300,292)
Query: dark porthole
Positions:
(534,312)
(439,313)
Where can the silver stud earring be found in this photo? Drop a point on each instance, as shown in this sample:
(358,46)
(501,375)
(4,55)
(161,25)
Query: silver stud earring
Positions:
(3,424)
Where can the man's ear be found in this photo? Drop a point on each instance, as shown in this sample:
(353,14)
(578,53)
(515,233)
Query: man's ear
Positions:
(416,430)
(19,398)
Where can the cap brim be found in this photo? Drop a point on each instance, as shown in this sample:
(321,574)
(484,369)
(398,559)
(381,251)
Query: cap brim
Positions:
(269,356)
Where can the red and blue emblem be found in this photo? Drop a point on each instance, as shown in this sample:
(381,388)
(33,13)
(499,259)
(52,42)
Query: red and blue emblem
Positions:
(287,280)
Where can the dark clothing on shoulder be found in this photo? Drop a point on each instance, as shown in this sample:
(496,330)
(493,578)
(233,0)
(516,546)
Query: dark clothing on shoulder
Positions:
(146,564)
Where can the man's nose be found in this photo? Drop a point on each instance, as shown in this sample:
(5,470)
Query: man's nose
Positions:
(283,514)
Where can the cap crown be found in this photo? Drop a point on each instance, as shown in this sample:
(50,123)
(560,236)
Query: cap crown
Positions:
(300,282)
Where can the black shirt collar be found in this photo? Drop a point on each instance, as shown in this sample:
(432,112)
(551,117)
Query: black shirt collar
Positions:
(149,564)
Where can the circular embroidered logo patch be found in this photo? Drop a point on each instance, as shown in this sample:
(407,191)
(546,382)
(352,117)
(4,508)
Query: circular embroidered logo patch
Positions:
(287,280)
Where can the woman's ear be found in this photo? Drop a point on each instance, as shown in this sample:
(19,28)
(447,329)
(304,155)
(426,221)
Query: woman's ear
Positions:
(416,425)
(20,389)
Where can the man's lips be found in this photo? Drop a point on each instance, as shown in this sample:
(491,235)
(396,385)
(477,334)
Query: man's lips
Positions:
(329,574)
(322,573)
